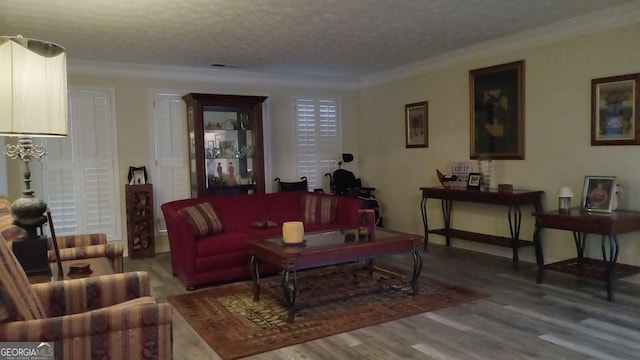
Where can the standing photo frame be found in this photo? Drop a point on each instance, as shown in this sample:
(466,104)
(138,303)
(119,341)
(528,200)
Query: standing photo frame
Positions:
(615,110)
(473,182)
(137,175)
(497,111)
(598,193)
(416,124)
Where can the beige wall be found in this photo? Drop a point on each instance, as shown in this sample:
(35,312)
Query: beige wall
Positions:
(558,151)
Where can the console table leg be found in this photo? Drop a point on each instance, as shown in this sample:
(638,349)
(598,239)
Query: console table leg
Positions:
(580,240)
(515,220)
(447,206)
(610,261)
(255,277)
(417,269)
(539,255)
(423,211)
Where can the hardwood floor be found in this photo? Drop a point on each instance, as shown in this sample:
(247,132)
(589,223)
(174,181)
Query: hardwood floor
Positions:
(563,318)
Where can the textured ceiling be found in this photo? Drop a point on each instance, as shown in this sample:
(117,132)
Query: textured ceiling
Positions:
(342,38)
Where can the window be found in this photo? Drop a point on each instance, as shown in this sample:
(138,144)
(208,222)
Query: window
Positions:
(80,178)
(318,138)
(171,180)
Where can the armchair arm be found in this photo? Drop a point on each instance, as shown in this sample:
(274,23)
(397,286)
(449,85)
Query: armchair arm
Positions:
(100,333)
(113,252)
(71,241)
(79,295)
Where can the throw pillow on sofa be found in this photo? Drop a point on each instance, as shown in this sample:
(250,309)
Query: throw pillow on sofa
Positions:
(202,218)
(319,209)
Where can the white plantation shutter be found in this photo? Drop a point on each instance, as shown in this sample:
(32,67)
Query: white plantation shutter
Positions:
(318,138)
(81,170)
(171,180)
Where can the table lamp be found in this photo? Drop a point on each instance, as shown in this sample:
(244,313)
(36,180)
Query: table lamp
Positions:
(33,103)
(564,199)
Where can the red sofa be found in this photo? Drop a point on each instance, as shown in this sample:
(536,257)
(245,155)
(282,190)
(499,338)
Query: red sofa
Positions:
(224,257)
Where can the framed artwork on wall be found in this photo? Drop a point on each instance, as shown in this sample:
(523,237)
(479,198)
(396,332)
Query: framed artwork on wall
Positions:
(615,104)
(416,124)
(497,111)
(598,193)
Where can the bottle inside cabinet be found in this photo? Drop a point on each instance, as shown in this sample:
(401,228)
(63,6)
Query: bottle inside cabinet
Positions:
(140,226)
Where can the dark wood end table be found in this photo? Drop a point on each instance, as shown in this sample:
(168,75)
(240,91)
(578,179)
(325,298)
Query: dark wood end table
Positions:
(99,266)
(582,223)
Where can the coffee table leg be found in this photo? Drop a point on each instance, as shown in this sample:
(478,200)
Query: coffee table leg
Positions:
(417,268)
(255,277)
(290,292)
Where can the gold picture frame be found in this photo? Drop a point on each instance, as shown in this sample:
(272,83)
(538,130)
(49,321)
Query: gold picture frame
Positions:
(615,110)
(417,124)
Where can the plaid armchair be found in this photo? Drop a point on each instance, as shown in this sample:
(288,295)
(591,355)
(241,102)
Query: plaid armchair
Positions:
(72,247)
(104,317)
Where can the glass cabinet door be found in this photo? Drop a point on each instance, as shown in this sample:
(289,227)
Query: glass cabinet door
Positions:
(228,148)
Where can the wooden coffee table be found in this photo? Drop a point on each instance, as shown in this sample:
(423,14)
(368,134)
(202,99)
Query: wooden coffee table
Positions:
(328,248)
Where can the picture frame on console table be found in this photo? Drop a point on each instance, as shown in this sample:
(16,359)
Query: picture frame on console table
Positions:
(598,194)
(497,111)
(473,182)
(417,124)
(615,110)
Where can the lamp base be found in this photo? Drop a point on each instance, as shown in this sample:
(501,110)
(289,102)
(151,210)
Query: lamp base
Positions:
(32,255)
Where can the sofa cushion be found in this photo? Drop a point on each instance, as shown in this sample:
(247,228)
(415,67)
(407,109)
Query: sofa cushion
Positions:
(202,218)
(319,209)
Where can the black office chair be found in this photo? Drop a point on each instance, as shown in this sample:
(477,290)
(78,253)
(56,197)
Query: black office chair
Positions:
(301,185)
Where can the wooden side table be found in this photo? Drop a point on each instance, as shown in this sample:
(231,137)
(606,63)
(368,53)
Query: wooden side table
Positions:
(512,199)
(99,266)
(581,224)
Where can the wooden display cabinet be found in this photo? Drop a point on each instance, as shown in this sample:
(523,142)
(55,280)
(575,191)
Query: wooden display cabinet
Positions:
(140,225)
(225,144)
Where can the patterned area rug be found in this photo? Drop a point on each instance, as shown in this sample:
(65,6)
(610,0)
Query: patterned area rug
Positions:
(235,325)
(593,269)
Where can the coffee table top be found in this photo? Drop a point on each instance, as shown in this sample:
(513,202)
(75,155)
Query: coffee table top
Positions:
(332,247)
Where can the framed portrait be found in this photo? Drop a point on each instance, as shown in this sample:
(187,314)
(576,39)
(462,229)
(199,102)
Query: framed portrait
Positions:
(615,104)
(416,124)
(473,181)
(497,111)
(598,193)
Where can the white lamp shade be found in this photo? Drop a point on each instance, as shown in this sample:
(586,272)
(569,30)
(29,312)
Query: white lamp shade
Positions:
(565,192)
(33,88)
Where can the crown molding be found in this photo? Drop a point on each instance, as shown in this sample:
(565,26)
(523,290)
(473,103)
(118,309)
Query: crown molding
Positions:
(176,73)
(611,18)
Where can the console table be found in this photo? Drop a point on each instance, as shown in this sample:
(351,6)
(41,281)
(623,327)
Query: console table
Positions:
(513,200)
(581,224)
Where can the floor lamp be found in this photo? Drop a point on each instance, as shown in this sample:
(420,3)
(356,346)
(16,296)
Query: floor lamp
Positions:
(33,103)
